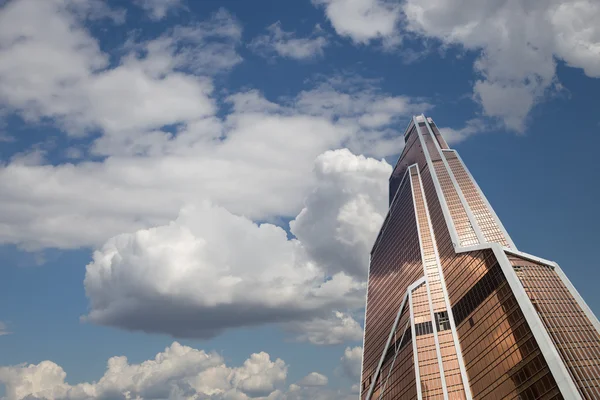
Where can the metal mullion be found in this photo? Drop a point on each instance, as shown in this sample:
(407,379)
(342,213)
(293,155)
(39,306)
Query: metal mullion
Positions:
(556,340)
(580,373)
(572,333)
(394,360)
(581,359)
(577,374)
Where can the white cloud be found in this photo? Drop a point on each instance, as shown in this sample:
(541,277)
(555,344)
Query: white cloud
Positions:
(52,68)
(356,105)
(344,212)
(44,52)
(261,147)
(177,372)
(314,379)
(211,270)
(203,48)
(351,363)
(3,329)
(472,127)
(145,173)
(286,44)
(158,9)
(297,392)
(519,43)
(95,10)
(363,20)
(253,162)
(577,33)
(336,329)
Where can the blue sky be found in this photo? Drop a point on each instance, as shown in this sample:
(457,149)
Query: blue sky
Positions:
(214,173)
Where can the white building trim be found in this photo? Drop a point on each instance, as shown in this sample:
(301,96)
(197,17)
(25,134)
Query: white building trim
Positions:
(563,277)
(586,309)
(485,200)
(555,363)
(528,256)
(461,196)
(364,331)
(391,335)
(440,193)
(389,213)
(461,361)
(430,301)
(414,344)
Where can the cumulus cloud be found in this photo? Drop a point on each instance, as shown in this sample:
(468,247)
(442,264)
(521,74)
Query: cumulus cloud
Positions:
(160,144)
(207,271)
(518,42)
(351,363)
(158,9)
(314,379)
(337,329)
(162,139)
(168,148)
(287,45)
(51,67)
(344,212)
(179,371)
(146,177)
(175,373)
(211,270)
(363,20)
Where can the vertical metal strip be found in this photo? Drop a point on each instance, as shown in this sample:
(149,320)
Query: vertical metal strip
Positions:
(439,191)
(430,301)
(362,364)
(572,351)
(461,362)
(486,202)
(586,309)
(461,195)
(414,285)
(555,363)
(415,350)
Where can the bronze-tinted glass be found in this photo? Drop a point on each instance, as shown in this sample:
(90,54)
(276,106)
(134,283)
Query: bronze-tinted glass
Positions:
(448,351)
(395,264)
(490,229)
(499,344)
(571,331)
(462,329)
(438,136)
(462,224)
(494,336)
(397,377)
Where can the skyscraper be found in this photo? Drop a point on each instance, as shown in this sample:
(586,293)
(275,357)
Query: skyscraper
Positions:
(454,309)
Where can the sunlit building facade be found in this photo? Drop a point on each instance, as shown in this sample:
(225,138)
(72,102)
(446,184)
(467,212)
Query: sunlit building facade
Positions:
(454,309)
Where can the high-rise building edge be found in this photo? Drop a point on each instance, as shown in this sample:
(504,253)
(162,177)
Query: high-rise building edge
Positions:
(454,309)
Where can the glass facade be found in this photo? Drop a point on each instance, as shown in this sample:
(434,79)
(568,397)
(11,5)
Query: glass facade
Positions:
(480,319)
(572,333)
(395,264)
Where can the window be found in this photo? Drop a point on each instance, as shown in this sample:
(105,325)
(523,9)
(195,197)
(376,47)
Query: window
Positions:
(424,328)
(442,321)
